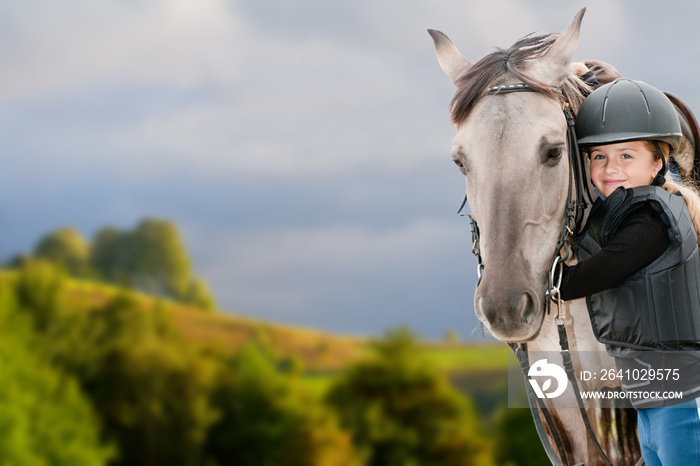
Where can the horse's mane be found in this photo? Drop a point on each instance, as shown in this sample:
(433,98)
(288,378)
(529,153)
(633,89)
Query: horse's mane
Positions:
(502,65)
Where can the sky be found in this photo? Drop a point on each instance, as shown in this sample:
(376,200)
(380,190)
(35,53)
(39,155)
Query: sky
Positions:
(302,146)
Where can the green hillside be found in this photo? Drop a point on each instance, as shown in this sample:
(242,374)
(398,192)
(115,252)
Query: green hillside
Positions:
(145,380)
(318,351)
(477,370)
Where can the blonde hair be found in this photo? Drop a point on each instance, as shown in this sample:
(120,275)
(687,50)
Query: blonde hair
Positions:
(688,191)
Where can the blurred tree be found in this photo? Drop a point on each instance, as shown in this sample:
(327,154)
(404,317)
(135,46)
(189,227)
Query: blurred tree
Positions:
(67,249)
(109,255)
(151,258)
(44,417)
(158,259)
(39,288)
(401,412)
(150,390)
(264,422)
(199,294)
(516,442)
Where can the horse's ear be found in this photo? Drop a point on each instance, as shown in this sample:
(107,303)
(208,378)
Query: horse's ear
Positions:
(561,52)
(451,61)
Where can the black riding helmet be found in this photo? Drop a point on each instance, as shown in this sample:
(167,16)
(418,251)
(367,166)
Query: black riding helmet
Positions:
(627,110)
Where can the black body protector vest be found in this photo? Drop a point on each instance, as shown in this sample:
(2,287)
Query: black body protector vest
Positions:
(658,307)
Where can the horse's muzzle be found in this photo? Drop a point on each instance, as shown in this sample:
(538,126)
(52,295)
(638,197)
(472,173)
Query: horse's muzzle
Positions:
(511,314)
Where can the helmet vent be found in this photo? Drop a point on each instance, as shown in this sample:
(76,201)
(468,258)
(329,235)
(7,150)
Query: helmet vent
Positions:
(605,108)
(646,101)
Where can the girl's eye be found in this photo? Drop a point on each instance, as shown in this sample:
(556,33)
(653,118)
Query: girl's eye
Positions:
(626,156)
(598,157)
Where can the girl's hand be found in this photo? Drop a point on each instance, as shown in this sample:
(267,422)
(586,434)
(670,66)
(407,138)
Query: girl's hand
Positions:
(580,68)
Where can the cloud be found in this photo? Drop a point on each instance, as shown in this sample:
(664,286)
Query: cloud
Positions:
(151,89)
(52,48)
(165,87)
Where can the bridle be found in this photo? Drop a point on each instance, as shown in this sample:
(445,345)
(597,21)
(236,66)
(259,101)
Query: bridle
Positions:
(577,200)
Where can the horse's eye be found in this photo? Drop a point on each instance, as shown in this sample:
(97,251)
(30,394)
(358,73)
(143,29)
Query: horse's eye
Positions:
(458,163)
(554,153)
(551,154)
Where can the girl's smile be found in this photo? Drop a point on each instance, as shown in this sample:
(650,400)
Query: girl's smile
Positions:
(628,164)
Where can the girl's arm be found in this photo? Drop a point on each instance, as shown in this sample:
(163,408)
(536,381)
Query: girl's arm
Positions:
(640,239)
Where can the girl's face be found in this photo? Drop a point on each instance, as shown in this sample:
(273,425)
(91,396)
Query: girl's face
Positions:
(628,164)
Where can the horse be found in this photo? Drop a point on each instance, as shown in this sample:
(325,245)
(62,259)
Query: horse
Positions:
(510,147)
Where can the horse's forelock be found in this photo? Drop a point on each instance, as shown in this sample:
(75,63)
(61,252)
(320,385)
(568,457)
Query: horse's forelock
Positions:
(498,67)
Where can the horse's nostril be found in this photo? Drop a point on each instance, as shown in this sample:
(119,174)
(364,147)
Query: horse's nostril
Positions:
(527,307)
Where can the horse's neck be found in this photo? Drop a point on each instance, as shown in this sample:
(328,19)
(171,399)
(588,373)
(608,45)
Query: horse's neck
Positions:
(582,342)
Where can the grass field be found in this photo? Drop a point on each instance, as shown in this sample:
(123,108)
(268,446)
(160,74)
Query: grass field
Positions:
(467,357)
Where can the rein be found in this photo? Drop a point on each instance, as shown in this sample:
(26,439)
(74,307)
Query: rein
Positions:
(573,217)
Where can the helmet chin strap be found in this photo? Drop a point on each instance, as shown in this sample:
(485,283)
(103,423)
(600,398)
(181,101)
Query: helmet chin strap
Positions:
(660,179)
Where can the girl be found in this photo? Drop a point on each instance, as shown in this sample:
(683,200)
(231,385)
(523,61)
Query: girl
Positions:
(639,266)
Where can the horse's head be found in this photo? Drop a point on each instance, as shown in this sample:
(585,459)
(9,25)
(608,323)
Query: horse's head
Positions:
(512,149)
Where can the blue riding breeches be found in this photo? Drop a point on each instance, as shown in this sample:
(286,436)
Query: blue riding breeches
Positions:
(670,435)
